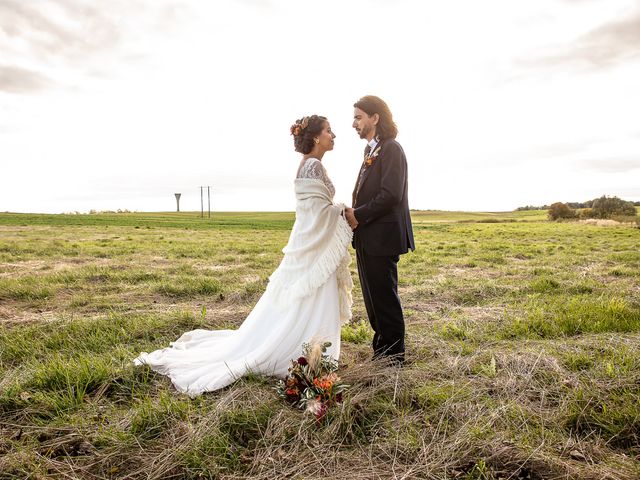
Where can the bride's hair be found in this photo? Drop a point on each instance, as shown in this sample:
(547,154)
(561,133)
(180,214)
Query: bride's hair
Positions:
(305,130)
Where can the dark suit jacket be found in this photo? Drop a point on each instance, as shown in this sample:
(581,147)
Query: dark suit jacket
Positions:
(382,206)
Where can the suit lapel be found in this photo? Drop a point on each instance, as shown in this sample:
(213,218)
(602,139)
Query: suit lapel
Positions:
(360,172)
(367,170)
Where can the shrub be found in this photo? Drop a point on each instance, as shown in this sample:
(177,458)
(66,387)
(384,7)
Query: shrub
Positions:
(606,207)
(561,210)
(586,213)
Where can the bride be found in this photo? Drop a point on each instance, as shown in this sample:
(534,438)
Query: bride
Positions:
(307,298)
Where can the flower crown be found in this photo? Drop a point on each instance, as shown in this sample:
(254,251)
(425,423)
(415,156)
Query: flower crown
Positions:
(299,126)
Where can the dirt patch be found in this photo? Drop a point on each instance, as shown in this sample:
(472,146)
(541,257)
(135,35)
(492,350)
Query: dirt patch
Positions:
(599,222)
(30,267)
(219,314)
(11,317)
(217,268)
(482,314)
(5,312)
(250,278)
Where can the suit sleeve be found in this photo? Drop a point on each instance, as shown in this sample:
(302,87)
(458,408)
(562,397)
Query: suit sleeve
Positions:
(392,180)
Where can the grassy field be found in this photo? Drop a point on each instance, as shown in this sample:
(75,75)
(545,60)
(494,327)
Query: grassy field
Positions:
(523,353)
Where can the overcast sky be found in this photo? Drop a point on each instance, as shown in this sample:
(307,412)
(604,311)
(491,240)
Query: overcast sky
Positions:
(500,104)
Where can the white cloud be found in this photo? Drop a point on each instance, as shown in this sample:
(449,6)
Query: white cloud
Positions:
(22,80)
(608,45)
(169,96)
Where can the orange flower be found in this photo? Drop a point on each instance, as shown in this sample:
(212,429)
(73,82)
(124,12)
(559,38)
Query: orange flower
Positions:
(372,156)
(323,383)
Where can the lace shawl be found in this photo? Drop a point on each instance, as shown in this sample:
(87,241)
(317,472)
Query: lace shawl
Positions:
(313,168)
(317,247)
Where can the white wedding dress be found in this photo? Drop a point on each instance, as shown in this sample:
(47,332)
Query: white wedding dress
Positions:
(307,299)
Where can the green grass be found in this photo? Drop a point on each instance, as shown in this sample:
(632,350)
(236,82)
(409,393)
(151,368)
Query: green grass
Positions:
(523,341)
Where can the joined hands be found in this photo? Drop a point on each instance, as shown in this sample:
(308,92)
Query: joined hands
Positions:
(351,218)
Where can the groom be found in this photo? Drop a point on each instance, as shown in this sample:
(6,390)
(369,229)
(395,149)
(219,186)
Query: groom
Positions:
(381,223)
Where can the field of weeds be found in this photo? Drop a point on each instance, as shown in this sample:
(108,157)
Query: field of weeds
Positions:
(523,358)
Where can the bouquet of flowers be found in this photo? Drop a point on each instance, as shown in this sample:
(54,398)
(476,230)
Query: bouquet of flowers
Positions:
(312,383)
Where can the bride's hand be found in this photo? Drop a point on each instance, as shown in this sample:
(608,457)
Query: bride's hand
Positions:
(351,218)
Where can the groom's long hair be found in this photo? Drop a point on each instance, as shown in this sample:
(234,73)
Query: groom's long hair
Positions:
(371,104)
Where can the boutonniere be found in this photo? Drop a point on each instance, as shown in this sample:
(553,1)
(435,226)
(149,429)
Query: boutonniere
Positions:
(373,155)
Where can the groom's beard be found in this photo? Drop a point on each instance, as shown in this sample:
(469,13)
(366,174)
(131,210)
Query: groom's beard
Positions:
(364,132)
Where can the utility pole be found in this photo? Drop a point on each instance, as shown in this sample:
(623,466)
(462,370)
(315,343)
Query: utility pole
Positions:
(201,203)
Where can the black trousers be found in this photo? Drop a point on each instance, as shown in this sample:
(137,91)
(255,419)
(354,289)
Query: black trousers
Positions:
(379,282)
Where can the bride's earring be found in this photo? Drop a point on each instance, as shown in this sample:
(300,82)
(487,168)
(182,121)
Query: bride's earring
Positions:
(316,140)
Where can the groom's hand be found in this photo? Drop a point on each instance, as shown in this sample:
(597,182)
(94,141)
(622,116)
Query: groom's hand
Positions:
(351,218)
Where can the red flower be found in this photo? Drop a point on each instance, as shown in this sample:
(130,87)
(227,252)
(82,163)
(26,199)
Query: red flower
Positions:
(302,361)
(322,410)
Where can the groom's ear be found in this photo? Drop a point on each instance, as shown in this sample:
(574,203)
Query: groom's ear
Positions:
(376,118)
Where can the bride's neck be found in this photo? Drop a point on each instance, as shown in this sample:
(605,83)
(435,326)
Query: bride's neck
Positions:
(312,154)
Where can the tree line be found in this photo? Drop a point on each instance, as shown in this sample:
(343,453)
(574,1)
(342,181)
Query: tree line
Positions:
(574,205)
(603,207)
